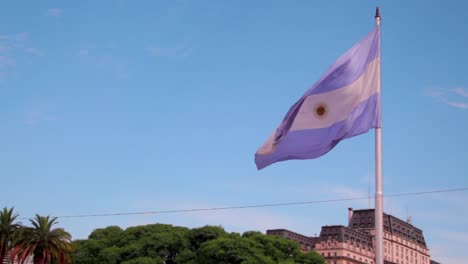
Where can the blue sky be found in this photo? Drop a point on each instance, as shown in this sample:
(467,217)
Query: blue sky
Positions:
(124,106)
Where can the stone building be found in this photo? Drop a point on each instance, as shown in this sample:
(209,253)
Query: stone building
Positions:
(306,243)
(403,242)
(343,245)
(355,243)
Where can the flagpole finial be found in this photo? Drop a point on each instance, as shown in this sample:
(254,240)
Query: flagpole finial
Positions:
(377,16)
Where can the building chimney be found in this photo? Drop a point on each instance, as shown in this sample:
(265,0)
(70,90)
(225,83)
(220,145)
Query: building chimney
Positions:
(350,215)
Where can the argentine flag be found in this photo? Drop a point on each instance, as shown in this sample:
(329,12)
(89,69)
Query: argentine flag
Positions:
(345,102)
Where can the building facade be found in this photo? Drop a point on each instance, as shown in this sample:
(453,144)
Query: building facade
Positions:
(306,243)
(355,243)
(343,245)
(403,242)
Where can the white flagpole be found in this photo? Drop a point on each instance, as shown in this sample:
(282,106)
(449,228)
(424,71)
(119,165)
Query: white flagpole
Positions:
(378,182)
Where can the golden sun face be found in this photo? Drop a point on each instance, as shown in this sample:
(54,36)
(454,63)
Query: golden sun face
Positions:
(321,110)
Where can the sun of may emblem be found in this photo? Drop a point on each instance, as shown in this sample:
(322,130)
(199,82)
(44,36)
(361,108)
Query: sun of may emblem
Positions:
(321,110)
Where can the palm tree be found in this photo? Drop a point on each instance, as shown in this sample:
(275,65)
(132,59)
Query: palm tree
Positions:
(8,228)
(43,242)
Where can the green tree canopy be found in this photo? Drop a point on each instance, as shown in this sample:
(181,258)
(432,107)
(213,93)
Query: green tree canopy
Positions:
(159,243)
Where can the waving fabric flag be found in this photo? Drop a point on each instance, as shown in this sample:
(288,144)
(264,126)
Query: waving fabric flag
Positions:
(345,102)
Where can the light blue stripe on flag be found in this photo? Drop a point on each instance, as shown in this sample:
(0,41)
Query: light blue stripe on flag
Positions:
(345,102)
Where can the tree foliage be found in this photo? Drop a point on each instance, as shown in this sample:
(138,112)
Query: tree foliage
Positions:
(8,230)
(167,244)
(45,243)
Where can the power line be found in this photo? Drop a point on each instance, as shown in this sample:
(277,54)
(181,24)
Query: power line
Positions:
(259,205)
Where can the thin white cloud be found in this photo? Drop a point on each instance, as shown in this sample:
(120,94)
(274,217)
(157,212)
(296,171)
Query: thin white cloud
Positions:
(178,50)
(54,12)
(4,48)
(34,51)
(459,105)
(21,36)
(35,118)
(10,46)
(6,61)
(452,97)
(461,91)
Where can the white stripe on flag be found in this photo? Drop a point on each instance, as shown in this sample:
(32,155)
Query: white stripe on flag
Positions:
(338,103)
